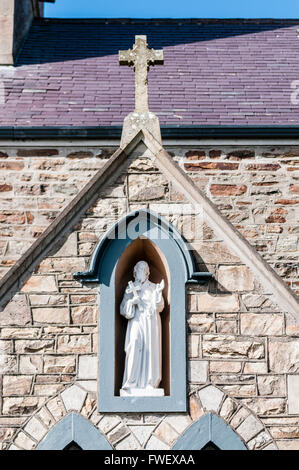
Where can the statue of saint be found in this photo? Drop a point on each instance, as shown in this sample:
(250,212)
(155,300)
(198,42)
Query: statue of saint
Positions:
(141,305)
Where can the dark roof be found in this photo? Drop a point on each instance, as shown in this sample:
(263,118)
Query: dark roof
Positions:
(216,72)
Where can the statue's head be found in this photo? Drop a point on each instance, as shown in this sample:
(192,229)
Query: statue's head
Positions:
(141,271)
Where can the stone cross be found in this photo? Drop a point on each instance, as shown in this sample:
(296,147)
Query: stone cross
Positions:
(141,57)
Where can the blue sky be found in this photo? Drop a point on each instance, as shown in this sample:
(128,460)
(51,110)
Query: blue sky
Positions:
(173,9)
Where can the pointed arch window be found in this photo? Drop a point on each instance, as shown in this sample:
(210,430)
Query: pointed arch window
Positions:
(209,432)
(73,432)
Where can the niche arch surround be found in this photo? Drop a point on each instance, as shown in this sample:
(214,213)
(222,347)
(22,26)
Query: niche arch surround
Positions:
(141,234)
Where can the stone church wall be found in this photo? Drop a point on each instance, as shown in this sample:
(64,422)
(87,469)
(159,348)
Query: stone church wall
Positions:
(256,187)
(239,343)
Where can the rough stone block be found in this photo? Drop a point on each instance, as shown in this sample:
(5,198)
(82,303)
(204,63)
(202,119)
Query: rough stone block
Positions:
(45,417)
(20,405)
(74,344)
(17,333)
(284,432)
(108,207)
(178,422)
(271,385)
(84,314)
(249,428)
(210,398)
(59,364)
(266,406)
(239,417)
(262,324)
(118,433)
(253,300)
(198,371)
(236,278)
(293,394)
(88,406)
(5,346)
(88,385)
(108,422)
(232,346)
(217,303)
(62,265)
(47,390)
(16,312)
(255,368)
(35,429)
(225,366)
(33,346)
(215,252)
(227,327)
(201,323)
(40,284)
(88,367)
(284,355)
(6,433)
(51,315)
(147,187)
(48,299)
(24,442)
(16,385)
(56,408)
(193,345)
(69,248)
(83,299)
(228,408)
(8,364)
(73,398)
(166,433)
(259,441)
(240,390)
(227,189)
(195,409)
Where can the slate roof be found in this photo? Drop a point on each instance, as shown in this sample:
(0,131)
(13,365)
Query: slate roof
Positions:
(216,72)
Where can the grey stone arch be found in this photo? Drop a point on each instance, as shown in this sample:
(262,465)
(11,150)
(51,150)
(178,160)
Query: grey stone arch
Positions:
(73,428)
(167,243)
(209,429)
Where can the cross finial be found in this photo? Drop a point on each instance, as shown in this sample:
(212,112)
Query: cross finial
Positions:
(141,57)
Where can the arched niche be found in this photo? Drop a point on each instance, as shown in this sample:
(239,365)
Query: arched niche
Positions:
(138,250)
(74,430)
(141,234)
(209,430)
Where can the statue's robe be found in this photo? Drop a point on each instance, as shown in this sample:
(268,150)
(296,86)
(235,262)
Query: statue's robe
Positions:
(143,344)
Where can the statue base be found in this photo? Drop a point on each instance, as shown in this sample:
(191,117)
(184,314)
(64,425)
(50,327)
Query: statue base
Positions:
(142,392)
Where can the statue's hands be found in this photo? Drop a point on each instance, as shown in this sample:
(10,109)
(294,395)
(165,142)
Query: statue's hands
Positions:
(135,300)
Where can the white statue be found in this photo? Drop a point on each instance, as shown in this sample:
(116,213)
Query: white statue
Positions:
(141,305)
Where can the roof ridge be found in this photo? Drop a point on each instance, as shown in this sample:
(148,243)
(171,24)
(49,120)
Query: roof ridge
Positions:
(292,21)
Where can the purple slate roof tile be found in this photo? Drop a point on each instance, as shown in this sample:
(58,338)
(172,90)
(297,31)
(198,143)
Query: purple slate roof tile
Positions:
(216,72)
